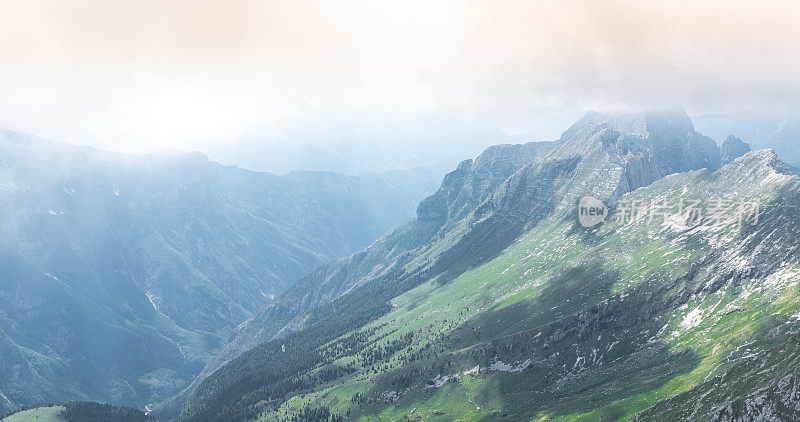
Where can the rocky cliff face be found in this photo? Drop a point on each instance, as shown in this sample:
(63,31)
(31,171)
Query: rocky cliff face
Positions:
(669,136)
(465,188)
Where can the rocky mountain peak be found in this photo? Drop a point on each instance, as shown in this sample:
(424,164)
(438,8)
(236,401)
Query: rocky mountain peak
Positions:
(648,145)
(760,159)
(464,188)
(733,148)
(638,124)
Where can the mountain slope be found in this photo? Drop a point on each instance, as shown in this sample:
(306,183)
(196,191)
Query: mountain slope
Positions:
(758,385)
(462,189)
(122,275)
(348,340)
(597,325)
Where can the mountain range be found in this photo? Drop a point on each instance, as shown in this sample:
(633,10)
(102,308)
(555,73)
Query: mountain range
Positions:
(123,275)
(778,131)
(226,294)
(495,303)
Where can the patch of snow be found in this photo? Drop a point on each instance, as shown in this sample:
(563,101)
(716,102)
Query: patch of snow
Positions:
(783,277)
(9,185)
(390,396)
(151,298)
(500,366)
(474,370)
(440,380)
(55,278)
(6,398)
(693,318)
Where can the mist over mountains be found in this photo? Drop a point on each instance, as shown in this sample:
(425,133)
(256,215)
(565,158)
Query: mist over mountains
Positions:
(394,210)
(357,144)
(122,275)
(777,131)
(209,292)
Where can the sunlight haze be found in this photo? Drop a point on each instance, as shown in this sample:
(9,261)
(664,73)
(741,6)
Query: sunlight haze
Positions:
(147,75)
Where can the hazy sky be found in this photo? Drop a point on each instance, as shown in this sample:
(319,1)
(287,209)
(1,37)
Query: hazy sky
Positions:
(141,75)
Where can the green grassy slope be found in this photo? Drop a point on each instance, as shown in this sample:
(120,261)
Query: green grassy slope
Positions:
(39,414)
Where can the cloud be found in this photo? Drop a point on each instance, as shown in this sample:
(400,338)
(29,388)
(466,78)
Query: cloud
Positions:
(149,74)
